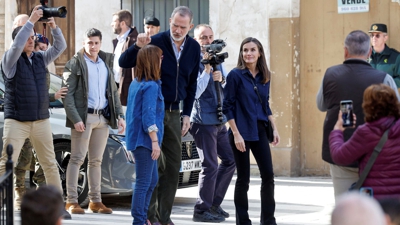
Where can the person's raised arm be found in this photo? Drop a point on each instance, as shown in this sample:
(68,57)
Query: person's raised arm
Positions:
(128,58)
(59,45)
(10,58)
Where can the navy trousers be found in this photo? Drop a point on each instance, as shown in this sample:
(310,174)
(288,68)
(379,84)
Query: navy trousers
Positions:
(262,155)
(212,142)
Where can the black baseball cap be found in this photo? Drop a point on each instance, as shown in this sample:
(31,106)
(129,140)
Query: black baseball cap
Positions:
(151,20)
(378,27)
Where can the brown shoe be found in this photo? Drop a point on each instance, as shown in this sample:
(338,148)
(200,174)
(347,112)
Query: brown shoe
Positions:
(98,207)
(74,208)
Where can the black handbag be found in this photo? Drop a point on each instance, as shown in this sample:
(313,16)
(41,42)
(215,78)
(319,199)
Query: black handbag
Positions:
(268,126)
(371,160)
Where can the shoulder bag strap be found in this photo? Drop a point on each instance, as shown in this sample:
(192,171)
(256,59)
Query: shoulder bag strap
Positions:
(259,97)
(371,161)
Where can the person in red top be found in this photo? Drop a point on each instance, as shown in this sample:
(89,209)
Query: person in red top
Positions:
(381,110)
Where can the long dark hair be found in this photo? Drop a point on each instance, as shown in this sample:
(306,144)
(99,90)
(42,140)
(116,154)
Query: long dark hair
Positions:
(148,63)
(261,62)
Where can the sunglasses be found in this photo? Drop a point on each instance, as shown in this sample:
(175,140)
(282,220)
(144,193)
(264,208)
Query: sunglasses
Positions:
(376,35)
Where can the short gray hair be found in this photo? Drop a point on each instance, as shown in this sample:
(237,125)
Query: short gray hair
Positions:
(183,11)
(197,28)
(358,43)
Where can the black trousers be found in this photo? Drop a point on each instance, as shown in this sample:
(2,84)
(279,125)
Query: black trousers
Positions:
(262,155)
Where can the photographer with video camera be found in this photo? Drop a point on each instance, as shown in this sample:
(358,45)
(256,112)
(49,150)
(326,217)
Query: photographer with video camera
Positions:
(209,131)
(27,97)
(246,106)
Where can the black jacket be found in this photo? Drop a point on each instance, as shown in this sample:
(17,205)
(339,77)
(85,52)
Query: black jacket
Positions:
(179,78)
(346,81)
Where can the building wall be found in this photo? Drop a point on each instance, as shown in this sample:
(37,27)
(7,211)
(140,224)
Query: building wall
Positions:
(276,25)
(8,11)
(322,32)
(100,17)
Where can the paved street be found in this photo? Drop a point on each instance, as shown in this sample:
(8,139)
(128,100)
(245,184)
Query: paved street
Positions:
(301,200)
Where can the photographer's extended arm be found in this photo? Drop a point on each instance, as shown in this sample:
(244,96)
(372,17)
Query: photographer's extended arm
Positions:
(57,49)
(10,58)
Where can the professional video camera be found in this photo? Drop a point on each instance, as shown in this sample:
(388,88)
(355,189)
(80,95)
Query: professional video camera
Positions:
(52,12)
(214,50)
(215,58)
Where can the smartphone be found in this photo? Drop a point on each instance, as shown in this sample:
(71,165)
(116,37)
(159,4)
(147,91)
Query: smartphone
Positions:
(367,191)
(346,106)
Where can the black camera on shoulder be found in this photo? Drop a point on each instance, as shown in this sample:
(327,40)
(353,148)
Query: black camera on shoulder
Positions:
(52,12)
(214,50)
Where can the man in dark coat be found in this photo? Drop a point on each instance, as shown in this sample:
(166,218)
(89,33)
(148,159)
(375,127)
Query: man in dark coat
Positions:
(347,81)
(127,34)
(179,70)
(382,57)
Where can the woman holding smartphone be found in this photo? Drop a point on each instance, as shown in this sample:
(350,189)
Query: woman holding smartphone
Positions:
(248,112)
(382,112)
(144,118)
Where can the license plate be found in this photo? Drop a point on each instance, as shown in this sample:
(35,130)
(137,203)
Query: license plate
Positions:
(189,165)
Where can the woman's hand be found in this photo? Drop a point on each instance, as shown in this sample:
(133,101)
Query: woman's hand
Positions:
(339,122)
(156,150)
(239,142)
(277,138)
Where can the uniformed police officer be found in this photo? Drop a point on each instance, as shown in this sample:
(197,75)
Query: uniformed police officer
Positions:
(382,57)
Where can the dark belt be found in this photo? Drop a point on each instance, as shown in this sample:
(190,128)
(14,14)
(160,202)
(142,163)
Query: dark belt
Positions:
(95,111)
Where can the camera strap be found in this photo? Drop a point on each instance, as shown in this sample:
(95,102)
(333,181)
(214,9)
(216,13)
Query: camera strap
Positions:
(374,155)
(44,31)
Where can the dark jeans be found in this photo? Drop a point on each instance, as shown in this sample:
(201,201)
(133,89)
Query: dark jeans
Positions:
(146,180)
(262,154)
(168,170)
(212,142)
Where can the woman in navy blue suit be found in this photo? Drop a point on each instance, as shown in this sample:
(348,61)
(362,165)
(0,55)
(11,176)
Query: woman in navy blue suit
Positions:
(247,117)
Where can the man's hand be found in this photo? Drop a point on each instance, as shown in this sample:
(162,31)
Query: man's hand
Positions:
(207,67)
(61,93)
(121,126)
(52,23)
(143,39)
(36,14)
(217,76)
(79,126)
(185,125)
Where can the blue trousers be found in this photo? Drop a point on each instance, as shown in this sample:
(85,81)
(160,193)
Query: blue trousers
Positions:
(146,180)
(212,142)
(262,155)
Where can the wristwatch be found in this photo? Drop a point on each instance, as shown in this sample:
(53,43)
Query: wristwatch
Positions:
(121,116)
(223,80)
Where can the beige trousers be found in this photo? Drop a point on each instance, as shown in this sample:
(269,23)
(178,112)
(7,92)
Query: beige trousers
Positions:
(39,132)
(91,142)
(342,178)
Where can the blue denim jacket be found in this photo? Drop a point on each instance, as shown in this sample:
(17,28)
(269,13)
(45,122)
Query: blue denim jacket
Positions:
(242,104)
(145,107)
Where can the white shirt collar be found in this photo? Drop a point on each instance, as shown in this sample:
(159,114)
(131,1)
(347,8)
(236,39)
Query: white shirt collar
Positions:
(123,37)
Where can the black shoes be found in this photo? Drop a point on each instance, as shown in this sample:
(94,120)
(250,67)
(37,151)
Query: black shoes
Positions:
(207,216)
(219,211)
